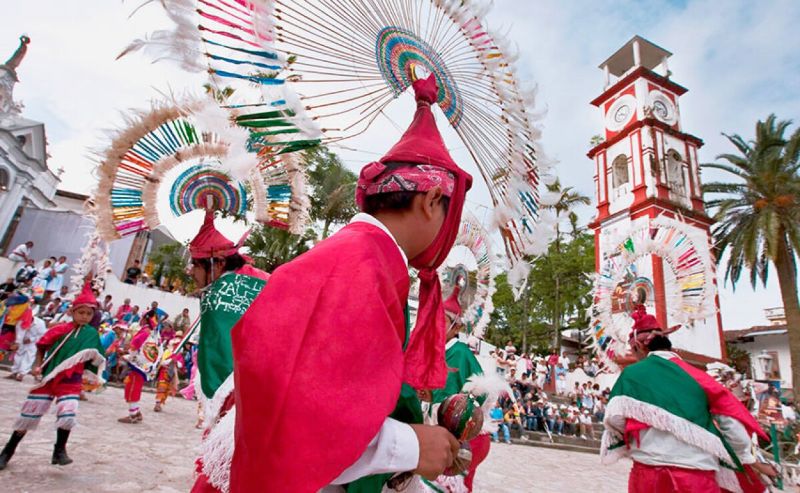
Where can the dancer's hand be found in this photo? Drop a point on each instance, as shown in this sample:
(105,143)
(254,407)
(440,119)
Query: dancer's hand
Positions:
(437,449)
(36,371)
(765,469)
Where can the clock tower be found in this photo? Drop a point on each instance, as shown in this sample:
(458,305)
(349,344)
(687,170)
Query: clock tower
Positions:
(646,170)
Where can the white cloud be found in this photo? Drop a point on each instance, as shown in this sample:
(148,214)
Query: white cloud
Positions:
(738,59)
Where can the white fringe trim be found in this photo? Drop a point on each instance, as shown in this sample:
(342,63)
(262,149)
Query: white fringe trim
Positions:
(656,417)
(212,406)
(92,356)
(216,451)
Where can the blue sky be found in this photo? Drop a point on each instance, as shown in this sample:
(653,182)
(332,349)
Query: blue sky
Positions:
(739,60)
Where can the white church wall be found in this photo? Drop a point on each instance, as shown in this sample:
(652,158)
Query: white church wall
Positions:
(171,303)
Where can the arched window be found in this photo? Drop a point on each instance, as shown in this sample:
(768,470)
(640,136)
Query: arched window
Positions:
(675,176)
(5,180)
(619,170)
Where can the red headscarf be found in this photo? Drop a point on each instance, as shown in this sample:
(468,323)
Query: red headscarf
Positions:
(422,144)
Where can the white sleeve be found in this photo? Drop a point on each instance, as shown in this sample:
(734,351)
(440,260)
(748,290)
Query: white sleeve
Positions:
(736,435)
(394,449)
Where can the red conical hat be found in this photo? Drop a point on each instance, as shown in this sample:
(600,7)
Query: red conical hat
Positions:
(86,297)
(452,305)
(209,242)
(422,145)
(643,321)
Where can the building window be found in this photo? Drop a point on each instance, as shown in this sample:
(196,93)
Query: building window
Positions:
(5,180)
(675,176)
(619,170)
(775,374)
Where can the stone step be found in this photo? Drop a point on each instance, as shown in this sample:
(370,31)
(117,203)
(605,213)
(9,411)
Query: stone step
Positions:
(554,446)
(536,436)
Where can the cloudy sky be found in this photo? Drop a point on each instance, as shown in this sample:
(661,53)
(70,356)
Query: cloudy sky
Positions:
(739,60)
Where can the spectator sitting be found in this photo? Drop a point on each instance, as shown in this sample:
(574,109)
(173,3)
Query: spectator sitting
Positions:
(558,419)
(570,420)
(124,308)
(497,417)
(599,409)
(51,309)
(537,418)
(182,321)
(26,273)
(591,368)
(21,253)
(586,428)
(106,306)
(132,316)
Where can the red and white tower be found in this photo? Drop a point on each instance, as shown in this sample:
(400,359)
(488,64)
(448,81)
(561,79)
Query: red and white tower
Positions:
(646,167)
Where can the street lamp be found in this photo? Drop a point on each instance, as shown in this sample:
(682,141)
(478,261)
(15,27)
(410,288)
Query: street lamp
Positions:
(765,361)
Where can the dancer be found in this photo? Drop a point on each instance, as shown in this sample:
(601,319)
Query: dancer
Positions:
(684,431)
(11,312)
(167,374)
(229,285)
(66,353)
(29,330)
(143,356)
(330,329)
(463,366)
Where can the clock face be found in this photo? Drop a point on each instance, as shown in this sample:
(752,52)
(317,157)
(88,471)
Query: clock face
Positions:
(620,113)
(663,107)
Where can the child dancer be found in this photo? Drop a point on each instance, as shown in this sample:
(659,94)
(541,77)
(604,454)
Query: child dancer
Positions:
(64,355)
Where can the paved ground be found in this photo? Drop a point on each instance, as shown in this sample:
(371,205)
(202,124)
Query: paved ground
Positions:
(156,456)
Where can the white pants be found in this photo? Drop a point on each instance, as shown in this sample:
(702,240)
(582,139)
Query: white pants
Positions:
(561,386)
(24,358)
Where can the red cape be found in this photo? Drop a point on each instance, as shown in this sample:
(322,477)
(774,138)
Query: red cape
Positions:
(319,362)
(721,401)
(53,333)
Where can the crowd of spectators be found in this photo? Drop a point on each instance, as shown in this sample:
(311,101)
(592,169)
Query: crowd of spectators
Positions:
(573,413)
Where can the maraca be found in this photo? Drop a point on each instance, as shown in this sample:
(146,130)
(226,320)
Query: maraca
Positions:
(462,416)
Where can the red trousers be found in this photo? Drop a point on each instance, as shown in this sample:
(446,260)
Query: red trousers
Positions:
(480,450)
(671,479)
(133,386)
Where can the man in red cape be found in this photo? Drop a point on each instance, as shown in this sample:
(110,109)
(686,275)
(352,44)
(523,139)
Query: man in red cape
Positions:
(229,284)
(684,431)
(322,354)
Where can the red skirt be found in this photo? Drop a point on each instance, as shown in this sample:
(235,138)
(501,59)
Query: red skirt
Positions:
(671,479)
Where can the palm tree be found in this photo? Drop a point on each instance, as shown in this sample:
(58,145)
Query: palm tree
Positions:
(758,217)
(334,187)
(272,247)
(568,200)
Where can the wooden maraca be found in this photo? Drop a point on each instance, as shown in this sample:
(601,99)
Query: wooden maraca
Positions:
(462,416)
